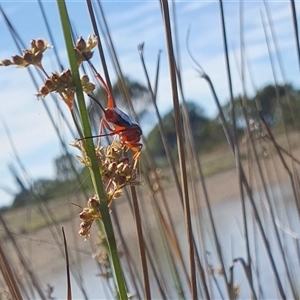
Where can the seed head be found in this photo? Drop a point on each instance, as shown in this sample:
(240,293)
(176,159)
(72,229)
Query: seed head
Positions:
(60,83)
(5,63)
(84,159)
(80,45)
(39,46)
(88,215)
(83,48)
(32,56)
(19,61)
(87,86)
(117,171)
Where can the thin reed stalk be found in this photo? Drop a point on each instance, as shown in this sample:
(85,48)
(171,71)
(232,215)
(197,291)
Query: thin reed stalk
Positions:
(100,48)
(171,262)
(23,261)
(141,243)
(132,275)
(9,275)
(51,36)
(166,19)
(161,126)
(295,25)
(234,137)
(242,194)
(194,160)
(152,253)
(290,175)
(69,289)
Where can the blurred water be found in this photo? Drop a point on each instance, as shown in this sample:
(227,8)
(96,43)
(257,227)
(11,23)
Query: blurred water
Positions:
(228,218)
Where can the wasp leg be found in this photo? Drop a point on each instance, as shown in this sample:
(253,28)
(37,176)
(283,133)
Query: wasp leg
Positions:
(104,123)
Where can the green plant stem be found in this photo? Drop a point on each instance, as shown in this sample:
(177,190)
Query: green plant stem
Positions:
(94,168)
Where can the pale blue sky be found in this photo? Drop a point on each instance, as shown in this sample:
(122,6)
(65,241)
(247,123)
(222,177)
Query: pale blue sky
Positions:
(133,22)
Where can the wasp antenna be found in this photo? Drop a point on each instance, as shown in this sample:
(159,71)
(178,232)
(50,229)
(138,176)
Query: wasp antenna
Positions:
(99,77)
(111,101)
(92,97)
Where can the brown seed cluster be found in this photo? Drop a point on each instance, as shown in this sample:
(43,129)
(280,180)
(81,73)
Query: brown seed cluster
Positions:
(87,86)
(61,83)
(117,169)
(88,215)
(83,48)
(32,56)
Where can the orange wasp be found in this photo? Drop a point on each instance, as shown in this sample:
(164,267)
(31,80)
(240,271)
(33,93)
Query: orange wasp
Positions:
(118,122)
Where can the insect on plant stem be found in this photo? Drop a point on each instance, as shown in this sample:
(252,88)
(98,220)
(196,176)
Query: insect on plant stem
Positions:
(118,122)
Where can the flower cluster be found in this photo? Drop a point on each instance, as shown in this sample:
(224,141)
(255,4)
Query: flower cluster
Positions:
(117,170)
(87,86)
(83,48)
(32,56)
(88,215)
(61,83)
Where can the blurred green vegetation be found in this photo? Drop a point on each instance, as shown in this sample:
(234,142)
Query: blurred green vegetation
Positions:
(207,133)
